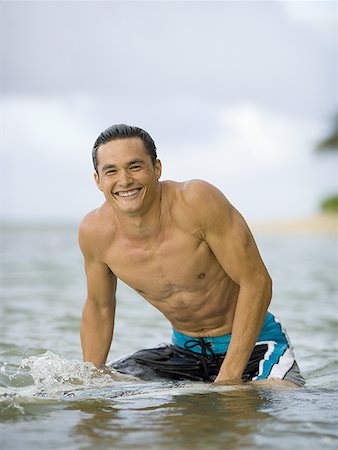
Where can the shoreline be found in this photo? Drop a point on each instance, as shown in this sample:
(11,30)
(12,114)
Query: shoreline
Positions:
(323,223)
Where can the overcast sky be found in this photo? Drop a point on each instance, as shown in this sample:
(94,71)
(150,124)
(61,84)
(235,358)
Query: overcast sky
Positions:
(237,93)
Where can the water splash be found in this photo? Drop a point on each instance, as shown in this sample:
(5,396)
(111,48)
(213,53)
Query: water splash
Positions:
(53,374)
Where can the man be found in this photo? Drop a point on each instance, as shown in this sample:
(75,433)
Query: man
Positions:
(189,253)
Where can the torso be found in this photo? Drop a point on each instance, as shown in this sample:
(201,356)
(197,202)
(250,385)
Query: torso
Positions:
(174,270)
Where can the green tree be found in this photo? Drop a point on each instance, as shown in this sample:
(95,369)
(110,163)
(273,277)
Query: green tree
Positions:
(330,143)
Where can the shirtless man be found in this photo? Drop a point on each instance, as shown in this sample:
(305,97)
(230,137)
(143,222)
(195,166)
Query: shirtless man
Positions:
(188,252)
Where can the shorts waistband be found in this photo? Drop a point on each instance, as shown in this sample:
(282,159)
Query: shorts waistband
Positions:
(219,344)
(216,345)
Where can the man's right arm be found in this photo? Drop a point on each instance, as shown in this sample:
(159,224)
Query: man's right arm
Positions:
(98,314)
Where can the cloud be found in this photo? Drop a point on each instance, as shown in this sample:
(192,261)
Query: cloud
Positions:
(262,160)
(232,92)
(46,164)
(46,127)
(214,52)
(249,140)
(320,16)
(256,136)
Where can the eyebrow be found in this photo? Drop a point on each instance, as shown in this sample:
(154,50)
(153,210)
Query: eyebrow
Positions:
(129,163)
(135,161)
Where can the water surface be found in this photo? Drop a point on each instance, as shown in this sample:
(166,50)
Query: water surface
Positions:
(50,399)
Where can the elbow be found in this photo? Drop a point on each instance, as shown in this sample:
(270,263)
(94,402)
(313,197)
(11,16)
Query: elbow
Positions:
(267,288)
(263,288)
(258,286)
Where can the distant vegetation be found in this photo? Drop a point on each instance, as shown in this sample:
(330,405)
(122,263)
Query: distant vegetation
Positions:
(330,204)
(330,143)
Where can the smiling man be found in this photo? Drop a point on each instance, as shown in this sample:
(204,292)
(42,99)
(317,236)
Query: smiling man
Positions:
(218,299)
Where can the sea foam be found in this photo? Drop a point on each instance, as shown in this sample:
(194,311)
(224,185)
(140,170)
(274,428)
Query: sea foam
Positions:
(52,374)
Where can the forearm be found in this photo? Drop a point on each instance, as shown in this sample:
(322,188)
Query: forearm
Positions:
(252,305)
(97,327)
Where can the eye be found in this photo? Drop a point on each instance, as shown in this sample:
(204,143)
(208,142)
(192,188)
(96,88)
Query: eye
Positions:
(111,172)
(135,167)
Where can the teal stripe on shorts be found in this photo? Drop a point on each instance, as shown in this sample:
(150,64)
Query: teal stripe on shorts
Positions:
(278,358)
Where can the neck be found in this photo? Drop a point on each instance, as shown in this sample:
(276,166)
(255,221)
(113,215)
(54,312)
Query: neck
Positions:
(145,224)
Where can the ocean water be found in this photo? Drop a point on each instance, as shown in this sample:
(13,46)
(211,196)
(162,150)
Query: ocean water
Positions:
(49,399)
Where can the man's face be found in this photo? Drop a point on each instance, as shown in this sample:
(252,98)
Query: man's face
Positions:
(126,175)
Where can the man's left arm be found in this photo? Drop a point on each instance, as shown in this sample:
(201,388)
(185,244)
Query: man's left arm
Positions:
(232,243)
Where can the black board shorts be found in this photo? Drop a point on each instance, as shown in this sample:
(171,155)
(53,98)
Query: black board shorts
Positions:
(200,359)
(174,363)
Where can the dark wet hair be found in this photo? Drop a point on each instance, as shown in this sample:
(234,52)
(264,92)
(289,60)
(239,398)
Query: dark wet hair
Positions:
(123,131)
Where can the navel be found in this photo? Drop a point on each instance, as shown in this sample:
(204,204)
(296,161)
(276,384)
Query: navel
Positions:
(201,275)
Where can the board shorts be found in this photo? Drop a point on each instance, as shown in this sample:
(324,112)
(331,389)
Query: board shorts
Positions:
(200,359)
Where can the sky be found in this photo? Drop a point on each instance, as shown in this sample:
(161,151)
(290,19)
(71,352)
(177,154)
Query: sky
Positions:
(238,93)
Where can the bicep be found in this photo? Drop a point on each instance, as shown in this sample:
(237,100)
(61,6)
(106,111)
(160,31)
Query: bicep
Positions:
(101,283)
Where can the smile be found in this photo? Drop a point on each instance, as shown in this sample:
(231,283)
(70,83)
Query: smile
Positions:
(128,193)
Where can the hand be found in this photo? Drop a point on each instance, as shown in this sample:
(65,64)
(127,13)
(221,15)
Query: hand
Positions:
(116,376)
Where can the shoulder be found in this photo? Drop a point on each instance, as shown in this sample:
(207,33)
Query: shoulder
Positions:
(214,213)
(87,230)
(195,191)
(89,223)
(205,199)
(93,231)
(192,191)
(200,203)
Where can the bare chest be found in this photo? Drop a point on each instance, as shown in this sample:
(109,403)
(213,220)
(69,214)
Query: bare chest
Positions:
(160,268)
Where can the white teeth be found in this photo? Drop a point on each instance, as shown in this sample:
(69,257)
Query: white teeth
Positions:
(128,194)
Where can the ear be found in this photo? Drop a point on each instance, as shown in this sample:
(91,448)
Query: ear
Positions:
(158,169)
(97,180)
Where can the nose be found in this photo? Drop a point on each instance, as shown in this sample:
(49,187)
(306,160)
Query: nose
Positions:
(124,178)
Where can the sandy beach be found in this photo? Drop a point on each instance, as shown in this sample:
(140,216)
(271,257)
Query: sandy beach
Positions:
(321,223)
